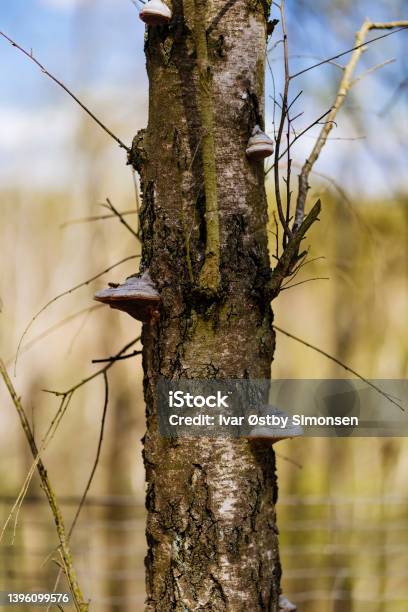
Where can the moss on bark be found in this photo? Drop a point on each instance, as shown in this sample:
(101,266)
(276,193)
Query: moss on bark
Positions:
(211,526)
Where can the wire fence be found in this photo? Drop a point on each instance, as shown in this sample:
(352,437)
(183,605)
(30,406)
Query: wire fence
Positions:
(338,554)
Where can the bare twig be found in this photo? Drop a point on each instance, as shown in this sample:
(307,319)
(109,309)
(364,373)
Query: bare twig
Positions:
(98,454)
(401,25)
(80,603)
(30,56)
(372,70)
(340,363)
(116,358)
(284,111)
(95,218)
(297,136)
(289,460)
(120,217)
(302,264)
(18,502)
(290,256)
(307,280)
(345,84)
(95,374)
(83,284)
(53,328)
(93,470)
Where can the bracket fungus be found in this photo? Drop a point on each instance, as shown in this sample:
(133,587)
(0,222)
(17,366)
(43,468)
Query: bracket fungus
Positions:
(137,296)
(259,145)
(278,427)
(285,605)
(155,13)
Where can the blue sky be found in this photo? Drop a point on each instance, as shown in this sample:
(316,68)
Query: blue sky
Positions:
(96,48)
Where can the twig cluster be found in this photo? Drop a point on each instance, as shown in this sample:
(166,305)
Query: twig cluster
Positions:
(295,225)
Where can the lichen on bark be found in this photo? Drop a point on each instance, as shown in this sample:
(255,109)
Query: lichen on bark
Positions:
(211,526)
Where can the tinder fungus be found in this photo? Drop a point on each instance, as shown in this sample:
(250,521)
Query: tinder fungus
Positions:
(155,13)
(137,296)
(259,145)
(278,427)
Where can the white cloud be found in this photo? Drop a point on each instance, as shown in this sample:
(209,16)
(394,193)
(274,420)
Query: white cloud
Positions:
(63,4)
(34,144)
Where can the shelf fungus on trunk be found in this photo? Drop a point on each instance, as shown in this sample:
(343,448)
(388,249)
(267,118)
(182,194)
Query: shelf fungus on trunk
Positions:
(155,13)
(259,145)
(285,605)
(274,425)
(137,296)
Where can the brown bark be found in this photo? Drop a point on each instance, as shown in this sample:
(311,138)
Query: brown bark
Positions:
(211,526)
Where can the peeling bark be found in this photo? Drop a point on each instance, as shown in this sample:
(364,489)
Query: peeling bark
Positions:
(211,530)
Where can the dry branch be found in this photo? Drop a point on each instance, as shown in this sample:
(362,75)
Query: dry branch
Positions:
(95,218)
(290,256)
(345,85)
(63,294)
(80,603)
(119,215)
(30,56)
(341,364)
(103,370)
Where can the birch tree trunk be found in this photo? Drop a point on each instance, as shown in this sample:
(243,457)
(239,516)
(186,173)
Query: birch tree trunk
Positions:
(211,527)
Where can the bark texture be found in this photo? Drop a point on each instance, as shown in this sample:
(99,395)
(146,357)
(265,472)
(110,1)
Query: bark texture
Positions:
(211,528)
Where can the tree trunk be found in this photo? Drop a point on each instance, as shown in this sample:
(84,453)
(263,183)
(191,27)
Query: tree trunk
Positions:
(211,528)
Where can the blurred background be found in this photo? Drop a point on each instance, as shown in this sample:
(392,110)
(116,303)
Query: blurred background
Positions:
(343,512)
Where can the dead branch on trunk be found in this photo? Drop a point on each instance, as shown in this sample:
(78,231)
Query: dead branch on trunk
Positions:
(290,256)
(345,85)
(119,215)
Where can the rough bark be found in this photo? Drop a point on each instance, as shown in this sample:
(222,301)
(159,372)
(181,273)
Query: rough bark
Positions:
(211,530)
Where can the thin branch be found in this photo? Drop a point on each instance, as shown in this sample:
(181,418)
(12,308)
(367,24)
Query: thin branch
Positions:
(372,70)
(54,328)
(297,136)
(31,57)
(307,280)
(286,230)
(340,363)
(289,460)
(95,218)
(120,217)
(81,604)
(83,284)
(374,26)
(301,265)
(344,88)
(95,374)
(98,454)
(347,200)
(116,358)
(18,502)
(59,415)
(93,470)
(290,256)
